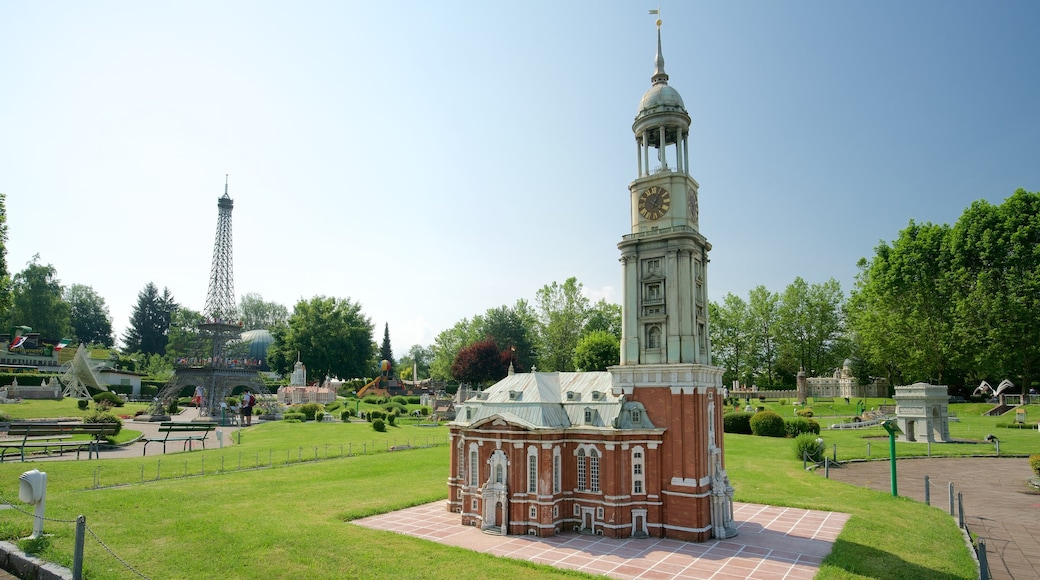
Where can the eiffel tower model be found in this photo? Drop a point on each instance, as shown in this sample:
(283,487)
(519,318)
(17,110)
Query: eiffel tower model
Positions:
(217,364)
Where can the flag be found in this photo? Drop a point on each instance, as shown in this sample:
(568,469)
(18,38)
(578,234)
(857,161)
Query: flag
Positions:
(62,343)
(19,334)
(655,12)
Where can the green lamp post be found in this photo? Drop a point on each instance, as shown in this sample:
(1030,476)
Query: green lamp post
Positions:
(893,429)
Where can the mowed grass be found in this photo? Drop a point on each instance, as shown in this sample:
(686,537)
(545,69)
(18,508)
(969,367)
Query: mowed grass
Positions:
(291,520)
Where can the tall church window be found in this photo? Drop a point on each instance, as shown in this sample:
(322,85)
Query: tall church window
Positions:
(594,469)
(500,473)
(653,337)
(637,470)
(557,470)
(474,468)
(532,471)
(581,469)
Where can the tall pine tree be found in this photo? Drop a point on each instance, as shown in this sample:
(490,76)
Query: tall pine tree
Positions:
(150,322)
(385,352)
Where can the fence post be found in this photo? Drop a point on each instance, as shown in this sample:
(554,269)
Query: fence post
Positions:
(927,492)
(983,560)
(77,554)
(835,457)
(868,449)
(960,509)
(826,468)
(951,499)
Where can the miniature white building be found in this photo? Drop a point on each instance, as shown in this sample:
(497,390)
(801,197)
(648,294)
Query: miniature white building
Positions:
(922,411)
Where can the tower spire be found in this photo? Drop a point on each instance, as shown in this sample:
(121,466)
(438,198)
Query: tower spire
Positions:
(220,297)
(659,75)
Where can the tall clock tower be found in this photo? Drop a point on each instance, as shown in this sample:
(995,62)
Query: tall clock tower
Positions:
(665,351)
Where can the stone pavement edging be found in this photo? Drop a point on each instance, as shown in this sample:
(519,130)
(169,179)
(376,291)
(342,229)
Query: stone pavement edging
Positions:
(28,567)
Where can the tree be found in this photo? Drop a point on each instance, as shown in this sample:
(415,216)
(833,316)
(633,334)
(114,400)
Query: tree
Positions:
(596,351)
(732,338)
(418,359)
(449,342)
(385,352)
(5,278)
(513,330)
(89,316)
(260,314)
(184,337)
(150,321)
(37,301)
(605,316)
(480,363)
(996,252)
(764,320)
(331,335)
(562,313)
(811,328)
(902,307)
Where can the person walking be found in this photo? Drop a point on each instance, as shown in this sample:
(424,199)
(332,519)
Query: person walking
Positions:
(248,400)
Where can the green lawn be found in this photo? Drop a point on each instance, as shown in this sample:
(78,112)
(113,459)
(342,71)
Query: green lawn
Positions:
(222,513)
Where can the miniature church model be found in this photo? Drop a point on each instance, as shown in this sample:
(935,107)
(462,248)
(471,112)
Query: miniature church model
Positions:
(636,451)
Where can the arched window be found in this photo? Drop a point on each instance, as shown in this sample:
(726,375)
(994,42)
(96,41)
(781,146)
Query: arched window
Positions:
(474,468)
(532,470)
(557,469)
(653,337)
(594,469)
(581,469)
(500,473)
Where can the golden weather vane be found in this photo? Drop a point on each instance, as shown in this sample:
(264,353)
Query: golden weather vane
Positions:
(657,11)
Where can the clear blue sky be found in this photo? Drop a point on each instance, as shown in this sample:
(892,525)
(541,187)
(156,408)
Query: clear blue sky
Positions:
(431,160)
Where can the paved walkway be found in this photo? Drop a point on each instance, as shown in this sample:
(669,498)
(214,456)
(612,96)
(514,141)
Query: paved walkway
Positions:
(773,543)
(999,504)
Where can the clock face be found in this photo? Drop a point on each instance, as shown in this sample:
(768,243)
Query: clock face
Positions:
(654,202)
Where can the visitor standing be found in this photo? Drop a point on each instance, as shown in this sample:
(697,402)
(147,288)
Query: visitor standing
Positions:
(248,400)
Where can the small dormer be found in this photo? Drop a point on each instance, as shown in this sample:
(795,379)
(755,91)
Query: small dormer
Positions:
(597,396)
(573,396)
(481,396)
(591,416)
(515,395)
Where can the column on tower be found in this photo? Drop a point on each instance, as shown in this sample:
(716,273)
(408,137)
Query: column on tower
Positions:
(639,155)
(629,325)
(671,276)
(687,306)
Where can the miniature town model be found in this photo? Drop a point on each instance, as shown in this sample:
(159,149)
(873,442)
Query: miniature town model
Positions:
(637,450)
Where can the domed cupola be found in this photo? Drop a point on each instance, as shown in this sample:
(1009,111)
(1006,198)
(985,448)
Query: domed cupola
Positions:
(662,119)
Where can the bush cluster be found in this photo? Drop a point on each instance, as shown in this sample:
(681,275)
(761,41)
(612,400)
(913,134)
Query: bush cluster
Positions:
(808,446)
(373,415)
(1034,462)
(82,404)
(768,424)
(391,420)
(319,416)
(738,422)
(799,425)
(330,407)
(309,410)
(103,417)
(291,417)
(345,415)
(396,408)
(806,412)
(372,400)
(109,397)
(379,425)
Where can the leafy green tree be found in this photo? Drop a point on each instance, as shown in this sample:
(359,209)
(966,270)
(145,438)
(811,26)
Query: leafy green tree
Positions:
(5,277)
(997,264)
(812,328)
(184,337)
(331,335)
(448,344)
(385,352)
(764,319)
(596,351)
(562,314)
(259,314)
(158,367)
(89,316)
(902,309)
(480,363)
(418,358)
(732,340)
(513,330)
(150,321)
(605,316)
(37,301)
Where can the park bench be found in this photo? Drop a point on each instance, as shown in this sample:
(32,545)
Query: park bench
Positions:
(184,432)
(53,435)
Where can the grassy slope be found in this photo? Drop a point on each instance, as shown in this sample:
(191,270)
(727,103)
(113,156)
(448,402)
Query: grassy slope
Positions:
(288,522)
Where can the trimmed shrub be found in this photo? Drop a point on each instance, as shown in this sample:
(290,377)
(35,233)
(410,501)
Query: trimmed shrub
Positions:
(330,407)
(806,412)
(371,400)
(808,446)
(109,397)
(1034,462)
(739,422)
(414,400)
(346,415)
(294,417)
(373,415)
(379,425)
(173,408)
(768,424)
(395,407)
(309,410)
(319,416)
(799,425)
(424,411)
(400,400)
(782,402)
(83,404)
(103,417)
(391,420)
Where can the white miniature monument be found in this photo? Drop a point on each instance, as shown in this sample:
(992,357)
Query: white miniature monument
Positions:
(922,410)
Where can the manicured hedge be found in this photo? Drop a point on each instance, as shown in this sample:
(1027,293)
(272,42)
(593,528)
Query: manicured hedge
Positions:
(738,422)
(768,424)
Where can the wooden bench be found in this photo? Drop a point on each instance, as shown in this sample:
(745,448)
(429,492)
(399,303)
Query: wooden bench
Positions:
(53,435)
(185,432)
